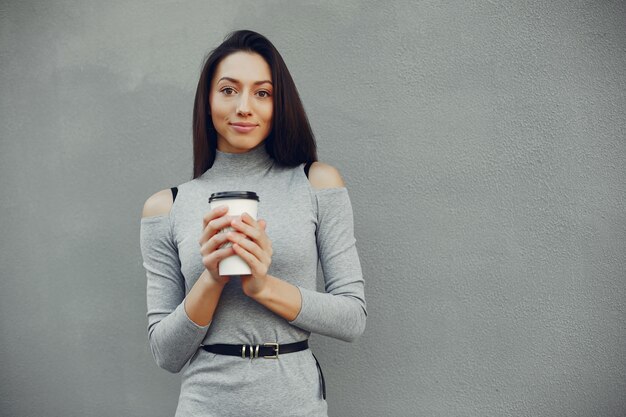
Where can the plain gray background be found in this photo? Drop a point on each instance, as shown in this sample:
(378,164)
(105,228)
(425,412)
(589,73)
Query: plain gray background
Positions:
(483,145)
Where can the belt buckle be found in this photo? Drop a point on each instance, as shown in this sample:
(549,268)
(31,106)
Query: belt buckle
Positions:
(254,351)
(275,346)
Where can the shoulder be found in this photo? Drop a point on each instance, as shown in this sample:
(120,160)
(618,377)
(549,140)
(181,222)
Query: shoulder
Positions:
(158,203)
(322,176)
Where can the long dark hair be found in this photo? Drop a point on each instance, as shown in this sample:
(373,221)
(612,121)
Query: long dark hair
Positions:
(290,141)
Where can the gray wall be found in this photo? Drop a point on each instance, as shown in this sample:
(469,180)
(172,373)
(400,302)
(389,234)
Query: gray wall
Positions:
(483,144)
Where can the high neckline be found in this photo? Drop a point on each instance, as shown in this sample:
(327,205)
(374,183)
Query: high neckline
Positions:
(254,161)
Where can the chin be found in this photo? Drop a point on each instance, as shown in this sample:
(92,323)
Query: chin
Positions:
(242,146)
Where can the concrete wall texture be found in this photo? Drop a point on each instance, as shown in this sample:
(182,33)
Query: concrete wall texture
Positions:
(483,144)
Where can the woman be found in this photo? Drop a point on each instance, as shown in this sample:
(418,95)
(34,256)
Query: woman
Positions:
(250,133)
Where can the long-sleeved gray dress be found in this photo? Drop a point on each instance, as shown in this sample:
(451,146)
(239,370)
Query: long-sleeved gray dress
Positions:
(304,225)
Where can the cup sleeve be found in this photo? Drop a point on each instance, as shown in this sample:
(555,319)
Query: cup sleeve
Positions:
(173,336)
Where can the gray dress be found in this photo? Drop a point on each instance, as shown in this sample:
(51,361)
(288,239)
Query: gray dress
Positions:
(305,225)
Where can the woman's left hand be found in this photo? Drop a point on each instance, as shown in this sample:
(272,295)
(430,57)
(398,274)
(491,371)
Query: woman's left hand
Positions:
(253,245)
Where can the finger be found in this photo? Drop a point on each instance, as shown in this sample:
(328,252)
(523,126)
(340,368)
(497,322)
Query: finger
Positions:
(212,260)
(223,253)
(217,241)
(257,234)
(214,226)
(248,219)
(247,225)
(256,223)
(252,261)
(252,248)
(214,213)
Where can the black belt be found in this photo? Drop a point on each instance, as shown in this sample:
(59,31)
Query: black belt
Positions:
(267,351)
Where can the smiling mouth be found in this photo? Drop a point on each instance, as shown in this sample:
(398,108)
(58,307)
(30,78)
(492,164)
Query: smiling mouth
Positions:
(244,124)
(243,128)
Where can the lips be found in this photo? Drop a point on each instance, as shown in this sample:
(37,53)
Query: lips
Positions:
(243,127)
(243,124)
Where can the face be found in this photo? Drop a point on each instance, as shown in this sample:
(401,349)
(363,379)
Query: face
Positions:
(241,102)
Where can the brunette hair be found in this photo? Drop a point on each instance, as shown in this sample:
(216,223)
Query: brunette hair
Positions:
(290,142)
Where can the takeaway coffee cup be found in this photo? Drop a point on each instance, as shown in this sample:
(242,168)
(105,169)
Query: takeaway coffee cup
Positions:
(238,202)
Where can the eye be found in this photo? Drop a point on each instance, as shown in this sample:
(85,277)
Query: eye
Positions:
(267,93)
(223,90)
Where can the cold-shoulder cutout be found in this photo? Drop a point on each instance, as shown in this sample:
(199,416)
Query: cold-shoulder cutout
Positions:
(323,176)
(158,204)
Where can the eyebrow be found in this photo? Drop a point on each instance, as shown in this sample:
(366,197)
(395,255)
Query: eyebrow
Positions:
(232,80)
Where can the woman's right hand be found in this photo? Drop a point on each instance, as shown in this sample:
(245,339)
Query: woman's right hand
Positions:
(211,240)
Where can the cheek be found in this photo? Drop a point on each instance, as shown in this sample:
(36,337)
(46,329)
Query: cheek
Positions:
(217,105)
(267,113)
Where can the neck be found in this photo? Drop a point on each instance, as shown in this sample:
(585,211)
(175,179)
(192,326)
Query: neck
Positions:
(254,161)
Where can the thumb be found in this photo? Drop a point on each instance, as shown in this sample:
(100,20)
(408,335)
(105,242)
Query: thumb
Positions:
(263,224)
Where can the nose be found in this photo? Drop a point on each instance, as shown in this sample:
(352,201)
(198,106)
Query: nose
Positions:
(243,107)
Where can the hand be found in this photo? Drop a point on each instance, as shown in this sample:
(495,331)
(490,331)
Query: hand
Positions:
(211,240)
(253,245)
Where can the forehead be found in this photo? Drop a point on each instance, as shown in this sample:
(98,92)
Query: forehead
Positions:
(246,67)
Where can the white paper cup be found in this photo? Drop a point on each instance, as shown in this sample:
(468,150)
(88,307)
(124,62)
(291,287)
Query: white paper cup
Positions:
(238,202)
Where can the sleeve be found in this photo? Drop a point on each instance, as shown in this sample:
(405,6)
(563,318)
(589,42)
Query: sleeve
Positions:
(173,336)
(341,311)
